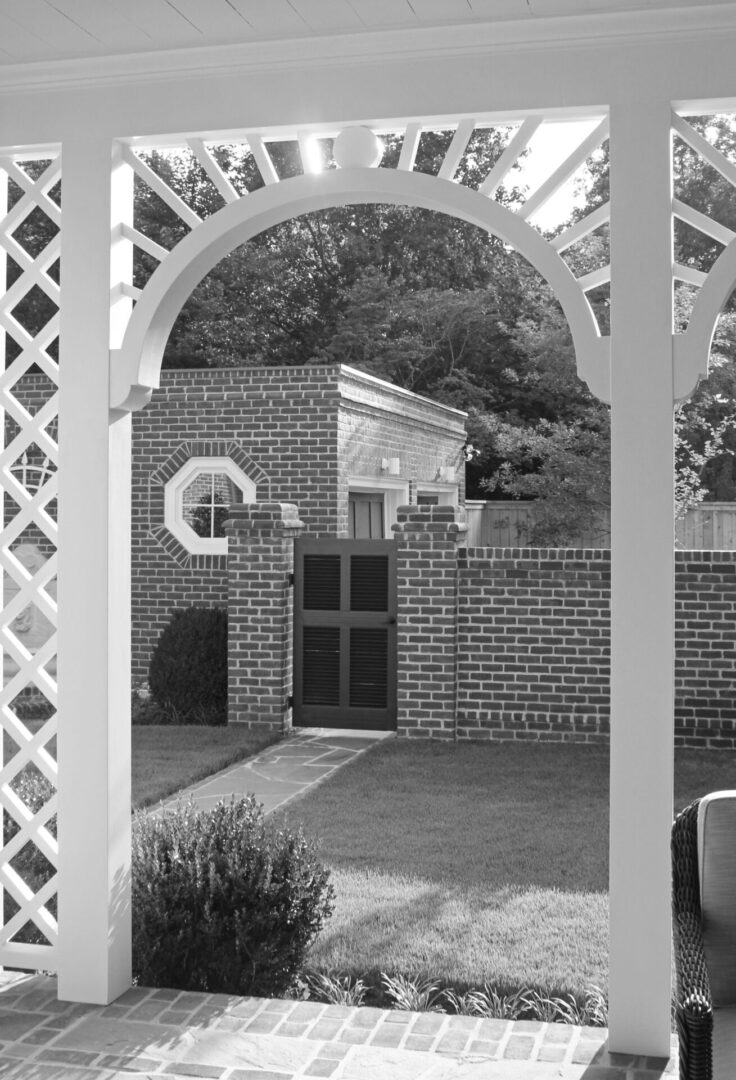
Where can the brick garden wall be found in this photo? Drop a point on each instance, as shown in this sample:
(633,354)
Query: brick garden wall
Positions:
(534,639)
(532,627)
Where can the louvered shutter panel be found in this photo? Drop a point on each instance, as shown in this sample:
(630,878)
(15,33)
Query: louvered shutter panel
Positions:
(321,665)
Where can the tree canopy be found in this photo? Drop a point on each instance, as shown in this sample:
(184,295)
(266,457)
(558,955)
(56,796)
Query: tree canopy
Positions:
(440,307)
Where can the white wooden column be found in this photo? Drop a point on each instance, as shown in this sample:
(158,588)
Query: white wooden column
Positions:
(642,554)
(94,596)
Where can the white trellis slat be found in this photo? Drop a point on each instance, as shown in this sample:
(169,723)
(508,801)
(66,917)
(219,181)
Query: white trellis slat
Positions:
(456,149)
(160,187)
(689,274)
(510,155)
(595,278)
(263,159)
(32,905)
(35,268)
(706,150)
(35,194)
(582,228)
(31,425)
(34,349)
(32,826)
(27,508)
(34,430)
(702,223)
(563,172)
(409,147)
(214,172)
(140,240)
(124,288)
(29,745)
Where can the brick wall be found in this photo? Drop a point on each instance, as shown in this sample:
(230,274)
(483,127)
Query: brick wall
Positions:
(534,643)
(531,640)
(705,637)
(300,433)
(261,614)
(263,412)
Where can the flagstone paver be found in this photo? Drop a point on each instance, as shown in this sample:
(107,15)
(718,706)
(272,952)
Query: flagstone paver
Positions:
(223,1037)
(282,771)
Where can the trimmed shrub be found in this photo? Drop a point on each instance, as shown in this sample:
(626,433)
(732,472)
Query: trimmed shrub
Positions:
(221,902)
(187,675)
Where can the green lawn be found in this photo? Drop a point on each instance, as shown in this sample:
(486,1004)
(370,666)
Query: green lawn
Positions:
(168,757)
(477,862)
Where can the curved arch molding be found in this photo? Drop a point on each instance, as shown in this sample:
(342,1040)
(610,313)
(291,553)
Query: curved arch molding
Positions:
(136,366)
(692,349)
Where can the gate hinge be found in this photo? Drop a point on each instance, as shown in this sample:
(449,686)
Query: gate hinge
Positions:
(290,578)
(290,701)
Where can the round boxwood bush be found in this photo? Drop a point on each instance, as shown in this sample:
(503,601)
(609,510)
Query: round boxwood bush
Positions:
(221,902)
(187,676)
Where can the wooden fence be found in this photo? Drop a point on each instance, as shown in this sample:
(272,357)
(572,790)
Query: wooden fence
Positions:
(708,527)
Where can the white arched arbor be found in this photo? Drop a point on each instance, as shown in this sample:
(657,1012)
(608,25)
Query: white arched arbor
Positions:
(639,870)
(634,66)
(136,365)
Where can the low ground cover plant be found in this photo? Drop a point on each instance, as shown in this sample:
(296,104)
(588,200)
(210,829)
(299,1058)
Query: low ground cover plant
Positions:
(222,902)
(420,994)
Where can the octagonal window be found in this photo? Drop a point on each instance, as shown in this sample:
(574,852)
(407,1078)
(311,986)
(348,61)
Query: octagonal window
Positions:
(198,499)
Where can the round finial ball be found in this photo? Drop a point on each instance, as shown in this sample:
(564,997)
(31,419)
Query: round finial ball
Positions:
(357,148)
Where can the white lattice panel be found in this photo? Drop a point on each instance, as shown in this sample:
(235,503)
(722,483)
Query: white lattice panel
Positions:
(30,239)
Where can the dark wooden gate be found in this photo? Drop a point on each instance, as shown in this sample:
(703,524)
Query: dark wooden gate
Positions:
(345,634)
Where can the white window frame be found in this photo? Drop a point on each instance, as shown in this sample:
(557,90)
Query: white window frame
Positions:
(447,493)
(174,501)
(395,494)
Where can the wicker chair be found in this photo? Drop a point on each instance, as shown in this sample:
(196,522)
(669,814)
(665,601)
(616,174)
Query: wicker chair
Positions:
(704,925)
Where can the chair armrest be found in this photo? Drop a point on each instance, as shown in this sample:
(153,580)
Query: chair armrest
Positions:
(693,1001)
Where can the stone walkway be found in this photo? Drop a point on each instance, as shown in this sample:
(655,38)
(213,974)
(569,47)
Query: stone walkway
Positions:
(284,770)
(180,1036)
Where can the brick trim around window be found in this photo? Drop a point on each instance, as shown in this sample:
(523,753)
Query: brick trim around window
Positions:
(160,477)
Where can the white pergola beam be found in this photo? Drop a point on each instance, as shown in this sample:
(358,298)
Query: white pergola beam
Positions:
(94,592)
(642,579)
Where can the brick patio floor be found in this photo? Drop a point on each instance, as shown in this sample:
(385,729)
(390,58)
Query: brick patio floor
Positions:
(180,1036)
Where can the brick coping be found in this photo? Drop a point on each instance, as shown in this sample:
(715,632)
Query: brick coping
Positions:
(168,1033)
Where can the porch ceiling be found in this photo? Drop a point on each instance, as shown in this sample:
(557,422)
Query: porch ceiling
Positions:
(47,31)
